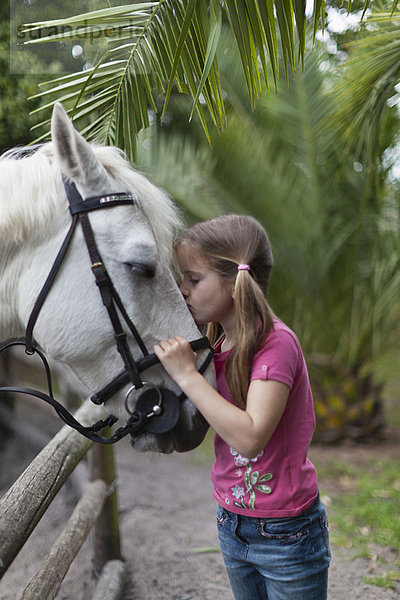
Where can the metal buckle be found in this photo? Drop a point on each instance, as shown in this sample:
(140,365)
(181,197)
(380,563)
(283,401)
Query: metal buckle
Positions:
(98,264)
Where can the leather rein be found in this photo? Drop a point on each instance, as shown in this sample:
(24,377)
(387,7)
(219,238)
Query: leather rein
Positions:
(157,409)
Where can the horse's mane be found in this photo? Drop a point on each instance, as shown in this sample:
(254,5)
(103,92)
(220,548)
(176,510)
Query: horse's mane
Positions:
(32,196)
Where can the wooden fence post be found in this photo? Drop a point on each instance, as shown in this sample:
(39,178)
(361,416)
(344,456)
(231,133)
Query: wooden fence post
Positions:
(106,532)
(110,585)
(24,504)
(47,581)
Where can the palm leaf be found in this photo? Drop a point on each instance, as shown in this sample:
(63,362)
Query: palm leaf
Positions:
(370,75)
(138,63)
(152,46)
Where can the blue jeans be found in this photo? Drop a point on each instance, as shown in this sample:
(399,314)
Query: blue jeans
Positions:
(276,559)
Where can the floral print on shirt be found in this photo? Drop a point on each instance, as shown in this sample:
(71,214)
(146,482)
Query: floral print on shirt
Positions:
(253,480)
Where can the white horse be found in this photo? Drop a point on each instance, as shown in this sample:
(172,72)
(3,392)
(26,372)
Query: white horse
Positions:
(135,243)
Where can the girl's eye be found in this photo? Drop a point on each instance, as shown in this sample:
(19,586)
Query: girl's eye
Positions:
(193,280)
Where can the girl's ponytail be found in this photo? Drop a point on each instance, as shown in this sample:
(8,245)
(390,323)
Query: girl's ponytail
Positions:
(254,320)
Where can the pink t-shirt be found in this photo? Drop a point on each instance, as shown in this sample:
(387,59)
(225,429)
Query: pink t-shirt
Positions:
(281,481)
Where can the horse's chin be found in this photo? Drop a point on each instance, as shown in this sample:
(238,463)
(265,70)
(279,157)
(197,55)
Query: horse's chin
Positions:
(167,443)
(147,442)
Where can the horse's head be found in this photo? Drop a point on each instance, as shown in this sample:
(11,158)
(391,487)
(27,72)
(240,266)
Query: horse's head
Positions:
(135,243)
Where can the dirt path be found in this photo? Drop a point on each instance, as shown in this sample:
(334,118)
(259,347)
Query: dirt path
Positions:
(167,521)
(167,518)
(174,516)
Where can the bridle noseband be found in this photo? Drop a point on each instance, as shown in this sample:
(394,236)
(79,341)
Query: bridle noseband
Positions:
(157,409)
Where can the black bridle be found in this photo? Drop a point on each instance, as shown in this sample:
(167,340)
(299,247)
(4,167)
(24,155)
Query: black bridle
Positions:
(157,409)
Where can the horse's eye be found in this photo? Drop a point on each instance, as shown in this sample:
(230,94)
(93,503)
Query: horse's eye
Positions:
(140,268)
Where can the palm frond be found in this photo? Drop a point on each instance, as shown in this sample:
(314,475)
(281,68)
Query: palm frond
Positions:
(151,46)
(370,75)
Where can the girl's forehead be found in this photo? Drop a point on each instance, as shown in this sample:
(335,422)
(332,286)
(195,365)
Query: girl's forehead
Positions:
(189,259)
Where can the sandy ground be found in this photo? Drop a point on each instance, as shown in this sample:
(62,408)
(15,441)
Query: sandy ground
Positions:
(167,522)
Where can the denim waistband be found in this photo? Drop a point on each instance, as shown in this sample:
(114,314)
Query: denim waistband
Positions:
(315,506)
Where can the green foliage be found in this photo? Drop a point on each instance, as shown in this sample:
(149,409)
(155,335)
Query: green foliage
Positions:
(49,59)
(386,581)
(14,91)
(366,88)
(363,503)
(364,506)
(177,164)
(143,49)
(153,46)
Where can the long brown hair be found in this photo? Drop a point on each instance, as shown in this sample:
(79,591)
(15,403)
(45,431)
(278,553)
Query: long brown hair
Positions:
(224,242)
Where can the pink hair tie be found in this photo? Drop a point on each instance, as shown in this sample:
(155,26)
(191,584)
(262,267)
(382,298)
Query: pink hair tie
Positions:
(243,268)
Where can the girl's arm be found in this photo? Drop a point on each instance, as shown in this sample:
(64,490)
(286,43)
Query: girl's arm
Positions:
(246,431)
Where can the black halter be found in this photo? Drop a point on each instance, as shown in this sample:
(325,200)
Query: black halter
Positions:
(157,409)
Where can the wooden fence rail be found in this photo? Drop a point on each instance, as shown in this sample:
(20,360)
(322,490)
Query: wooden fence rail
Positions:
(47,581)
(23,505)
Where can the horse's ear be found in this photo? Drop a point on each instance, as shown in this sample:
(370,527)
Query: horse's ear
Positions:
(76,157)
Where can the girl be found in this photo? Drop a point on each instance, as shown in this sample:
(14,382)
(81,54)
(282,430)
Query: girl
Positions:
(272,525)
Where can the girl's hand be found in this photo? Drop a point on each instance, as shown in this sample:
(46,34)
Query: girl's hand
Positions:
(177,357)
